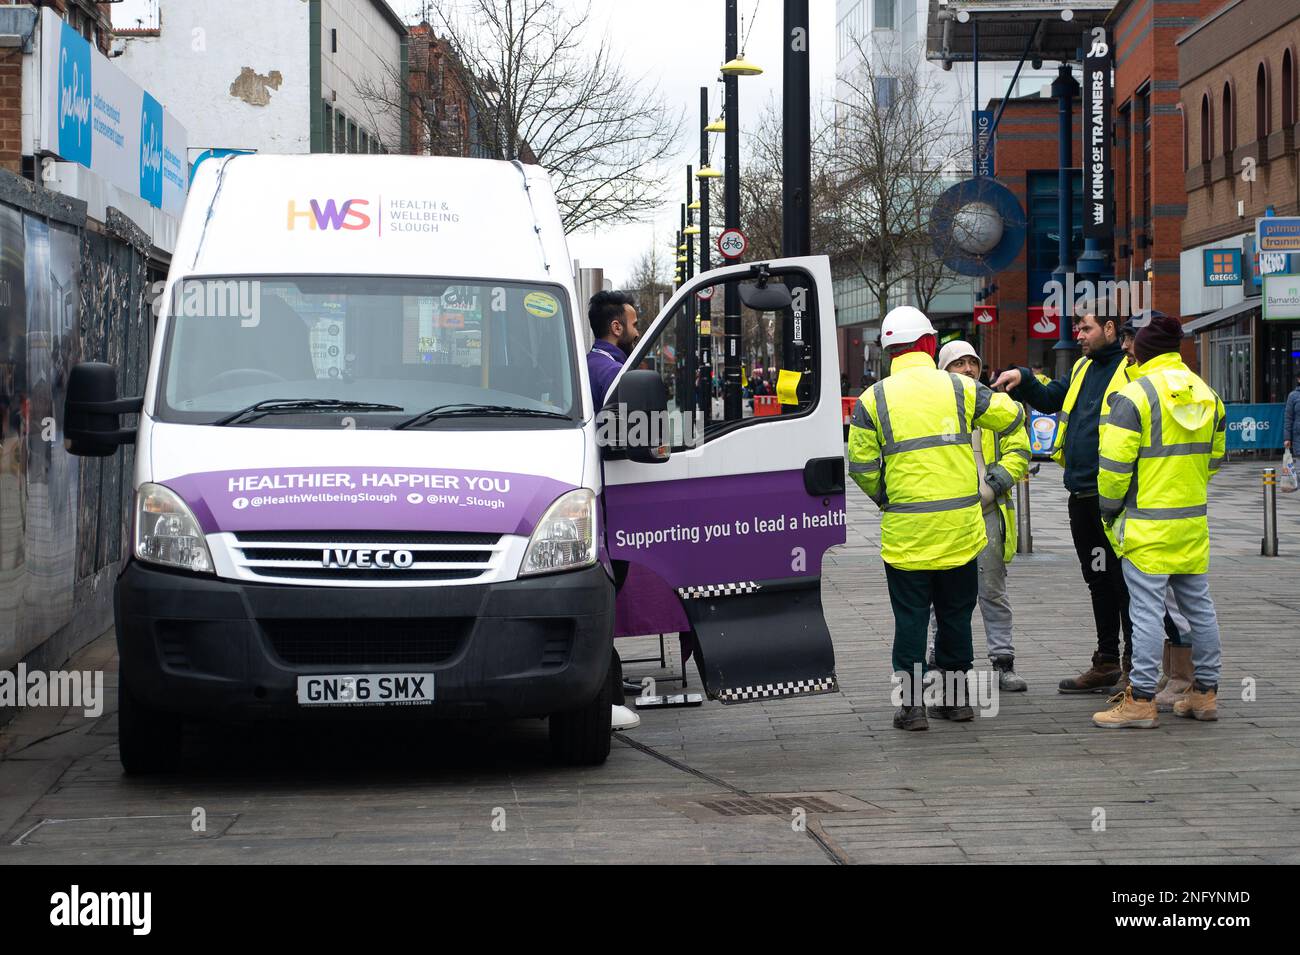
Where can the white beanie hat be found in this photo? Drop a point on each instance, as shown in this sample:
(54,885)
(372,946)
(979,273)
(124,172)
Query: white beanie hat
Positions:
(950,352)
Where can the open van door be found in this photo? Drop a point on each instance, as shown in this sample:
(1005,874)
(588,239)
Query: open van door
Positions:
(726,533)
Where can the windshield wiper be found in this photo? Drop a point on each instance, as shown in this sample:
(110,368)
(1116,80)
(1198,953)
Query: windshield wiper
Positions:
(466,408)
(300,405)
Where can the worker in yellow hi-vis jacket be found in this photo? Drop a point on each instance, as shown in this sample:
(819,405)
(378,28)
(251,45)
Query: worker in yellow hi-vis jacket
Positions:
(910,451)
(1163,441)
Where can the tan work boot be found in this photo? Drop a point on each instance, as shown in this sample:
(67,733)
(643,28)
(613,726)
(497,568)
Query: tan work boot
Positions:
(1198,704)
(1127,712)
(1099,678)
(1164,667)
(1178,668)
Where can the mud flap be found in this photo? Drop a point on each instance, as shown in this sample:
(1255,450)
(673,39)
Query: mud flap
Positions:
(761,640)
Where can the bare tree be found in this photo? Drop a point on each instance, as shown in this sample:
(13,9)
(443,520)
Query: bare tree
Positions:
(540,89)
(649,281)
(895,153)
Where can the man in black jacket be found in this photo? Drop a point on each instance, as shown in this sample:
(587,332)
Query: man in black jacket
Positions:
(1081,399)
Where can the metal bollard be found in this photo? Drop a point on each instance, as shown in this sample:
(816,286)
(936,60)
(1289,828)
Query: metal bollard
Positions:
(1268,546)
(1024,529)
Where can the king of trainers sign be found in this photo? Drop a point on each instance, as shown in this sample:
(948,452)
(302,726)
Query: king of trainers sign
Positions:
(1098,222)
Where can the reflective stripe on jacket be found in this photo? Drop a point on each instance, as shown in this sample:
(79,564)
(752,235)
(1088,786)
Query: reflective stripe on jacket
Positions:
(1163,442)
(1117,381)
(1008,450)
(910,451)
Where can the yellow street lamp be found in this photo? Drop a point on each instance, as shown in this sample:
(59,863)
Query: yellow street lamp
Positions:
(691,230)
(708,172)
(740,67)
(694,206)
(719,125)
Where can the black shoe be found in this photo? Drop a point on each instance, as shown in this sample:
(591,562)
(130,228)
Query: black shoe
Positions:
(958,714)
(911,718)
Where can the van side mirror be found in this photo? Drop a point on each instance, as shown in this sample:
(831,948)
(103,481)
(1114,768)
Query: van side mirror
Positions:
(641,401)
(763,296)
(92,410)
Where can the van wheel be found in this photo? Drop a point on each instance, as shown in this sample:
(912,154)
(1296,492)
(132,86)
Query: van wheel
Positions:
(148,740)
(581,737)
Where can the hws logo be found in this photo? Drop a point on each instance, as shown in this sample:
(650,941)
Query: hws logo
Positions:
(151,147)
(74,97)
(330,215)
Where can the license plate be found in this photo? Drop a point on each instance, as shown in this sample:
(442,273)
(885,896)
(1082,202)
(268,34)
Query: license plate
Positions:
(366,689)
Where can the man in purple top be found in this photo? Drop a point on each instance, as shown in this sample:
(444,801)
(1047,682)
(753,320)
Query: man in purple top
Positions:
(614,325)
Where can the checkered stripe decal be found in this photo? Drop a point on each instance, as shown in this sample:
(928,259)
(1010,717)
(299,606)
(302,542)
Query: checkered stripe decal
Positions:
(772,690)
(719,590)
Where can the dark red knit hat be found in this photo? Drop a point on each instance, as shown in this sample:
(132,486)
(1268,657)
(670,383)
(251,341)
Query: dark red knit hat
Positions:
(1163,333)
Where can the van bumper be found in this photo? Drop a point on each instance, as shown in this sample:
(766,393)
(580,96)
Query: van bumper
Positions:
(222,649)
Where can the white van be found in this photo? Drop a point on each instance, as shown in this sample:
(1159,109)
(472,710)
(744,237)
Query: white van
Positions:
(370,479)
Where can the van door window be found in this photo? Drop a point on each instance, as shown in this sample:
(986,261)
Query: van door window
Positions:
(775,374)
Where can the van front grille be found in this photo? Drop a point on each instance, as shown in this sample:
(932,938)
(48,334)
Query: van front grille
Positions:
(367,556)
(372,641)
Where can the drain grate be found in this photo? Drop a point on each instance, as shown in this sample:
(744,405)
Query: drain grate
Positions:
(766,805)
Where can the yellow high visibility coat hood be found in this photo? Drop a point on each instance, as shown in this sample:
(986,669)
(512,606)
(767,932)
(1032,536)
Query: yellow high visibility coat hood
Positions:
(910,451)
(1163,441)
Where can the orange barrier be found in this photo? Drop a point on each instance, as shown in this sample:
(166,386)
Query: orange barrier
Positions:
(846,406)
(766,405)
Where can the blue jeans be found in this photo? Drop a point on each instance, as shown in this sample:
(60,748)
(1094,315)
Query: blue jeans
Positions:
(1146,595)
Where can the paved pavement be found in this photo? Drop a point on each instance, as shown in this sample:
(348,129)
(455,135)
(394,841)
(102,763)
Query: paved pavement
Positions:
(1036,783)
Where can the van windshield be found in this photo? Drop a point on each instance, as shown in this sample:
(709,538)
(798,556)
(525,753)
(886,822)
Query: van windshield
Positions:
(403,344)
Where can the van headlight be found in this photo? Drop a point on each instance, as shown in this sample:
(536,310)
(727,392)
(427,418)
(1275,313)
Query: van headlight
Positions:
(166,532)
(565,537)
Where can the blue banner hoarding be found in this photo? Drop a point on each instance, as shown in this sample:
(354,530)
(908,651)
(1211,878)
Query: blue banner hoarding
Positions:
(1255,427)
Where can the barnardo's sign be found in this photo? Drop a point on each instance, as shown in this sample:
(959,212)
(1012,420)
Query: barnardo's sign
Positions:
(95,115)
(1281,296)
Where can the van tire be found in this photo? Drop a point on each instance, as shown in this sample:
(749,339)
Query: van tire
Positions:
(149,741)
(581,737)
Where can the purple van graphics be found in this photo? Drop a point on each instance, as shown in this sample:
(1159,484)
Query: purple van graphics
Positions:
(376,499)
(723,529)
(646,604)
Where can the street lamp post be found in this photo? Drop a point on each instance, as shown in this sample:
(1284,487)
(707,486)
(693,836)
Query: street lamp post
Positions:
(732,409)
(706,314)
(796,134)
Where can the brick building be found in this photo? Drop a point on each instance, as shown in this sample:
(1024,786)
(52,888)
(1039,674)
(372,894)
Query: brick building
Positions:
(443,121)
(1150,201)
(1237,76)
(1025,154)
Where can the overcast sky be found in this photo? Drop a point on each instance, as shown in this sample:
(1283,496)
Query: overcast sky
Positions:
(675,46)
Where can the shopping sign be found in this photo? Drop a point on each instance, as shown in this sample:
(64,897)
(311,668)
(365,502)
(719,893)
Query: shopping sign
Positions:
(1277,234)
(986,314)
(1044,322)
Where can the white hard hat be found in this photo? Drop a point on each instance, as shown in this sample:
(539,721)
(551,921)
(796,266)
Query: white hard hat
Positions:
(904,325)
(950,352)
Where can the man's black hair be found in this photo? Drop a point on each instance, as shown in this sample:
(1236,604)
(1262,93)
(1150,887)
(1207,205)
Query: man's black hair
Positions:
(604,308)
